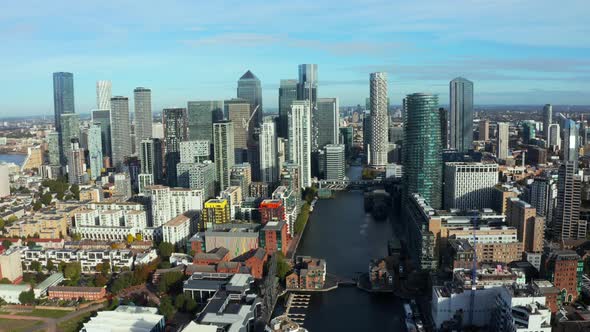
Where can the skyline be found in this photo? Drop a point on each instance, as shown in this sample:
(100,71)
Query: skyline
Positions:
(185,51)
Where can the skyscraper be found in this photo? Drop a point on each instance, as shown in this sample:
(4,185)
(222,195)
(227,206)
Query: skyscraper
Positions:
(300,140)
(143,114)
(287,94)
(70,129)
(566,217)
(63,97)
(103,95)
(328,121)
(367,136)
(201,115)
(223,144)
(379,119)
(547,118)
(102,118)
(543,196)
(250,90)
(528,131)
(95,150)
(335,162)
(175,131)
(199,175)
(53,148)
(76,171)
(120,129)
(554,136)
(422,151)
(150,156)
(571,143)
(461,111)
(502,140)
(484,130)
(268,151)
(307,89)
(239,113)
(444,127)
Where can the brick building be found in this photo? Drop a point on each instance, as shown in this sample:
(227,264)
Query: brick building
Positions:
(271,209)
(274,237)
(75,292)
(564,268)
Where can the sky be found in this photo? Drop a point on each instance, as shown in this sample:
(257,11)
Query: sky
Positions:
(515,51)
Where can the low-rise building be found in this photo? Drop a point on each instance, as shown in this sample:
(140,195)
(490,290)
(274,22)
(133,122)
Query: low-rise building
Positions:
(10,293)
(237,238)
(274,237)
(40,290)
(75,292)
(88,259)
(308,273)
(126,318)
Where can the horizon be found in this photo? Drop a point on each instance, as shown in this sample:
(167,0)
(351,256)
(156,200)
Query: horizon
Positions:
(185,51)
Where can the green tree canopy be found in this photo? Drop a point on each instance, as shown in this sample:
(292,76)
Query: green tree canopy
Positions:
(27,297)
(166,249)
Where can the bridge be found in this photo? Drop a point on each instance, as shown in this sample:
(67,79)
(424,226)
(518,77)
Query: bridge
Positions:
(348,184)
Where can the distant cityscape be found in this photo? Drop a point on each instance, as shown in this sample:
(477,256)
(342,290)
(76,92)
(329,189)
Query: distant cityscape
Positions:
(225,216)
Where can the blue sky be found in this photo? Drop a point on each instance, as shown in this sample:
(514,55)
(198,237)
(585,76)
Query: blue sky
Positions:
(517,51)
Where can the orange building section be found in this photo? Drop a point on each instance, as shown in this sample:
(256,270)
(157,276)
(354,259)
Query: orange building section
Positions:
(72,292)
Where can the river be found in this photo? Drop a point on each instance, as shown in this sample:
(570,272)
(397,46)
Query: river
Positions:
(344,235)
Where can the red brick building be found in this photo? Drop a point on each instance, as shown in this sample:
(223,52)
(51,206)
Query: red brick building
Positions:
(271,209)
(72,292)
(274,237)
(254,260)
(565,269)
(212,257)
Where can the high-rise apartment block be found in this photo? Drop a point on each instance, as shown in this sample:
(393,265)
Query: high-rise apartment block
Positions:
(484,130)
(103,95)
(469,186)
(102,118)
(175,131)
(300,132)
(120,129)
(143,114)
(502,140)
(95,150)
(335,162)
(529,225)
(194,151)
(268,151)
(201,115)
(223,143)
(328,121)
(150,156)
(197,175)
(547,118)
(76,167)
(287,94)
(379,119)
(69,129)
(566,217)
(461,111)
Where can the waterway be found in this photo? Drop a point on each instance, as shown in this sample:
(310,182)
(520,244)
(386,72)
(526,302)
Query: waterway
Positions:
(13,158)
(344,235)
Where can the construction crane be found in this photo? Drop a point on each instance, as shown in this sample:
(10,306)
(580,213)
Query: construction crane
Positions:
(246,123)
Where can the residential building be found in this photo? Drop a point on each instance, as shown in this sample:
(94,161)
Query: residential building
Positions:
(379,119)
(335,168)
(167,202)
(502,193)
(112,221)
(565,269)
(566,223)
(233,195)
(299,119)
(199,176)
(201,116)
(95,151)
(76,166)
(309,273)
(223,143)
(150,156)
(196,151)
(547,119)
(63,96)
(422,153)
(530,226)
(287,95)
(274,237)
(328,121)
(215,212)
(307,89)
(175,131)
(268,152)
(76,292)
(142,98)
(180,228)
(4,181)
(10,265)
(70,129)
(120,129)
(53,148)
(103,94)
(543,196)
(484,130)
(469,186)
(571,143)
(461,111)
(271,209)
(88,259)
(502,140)
(241,176)
(554,137)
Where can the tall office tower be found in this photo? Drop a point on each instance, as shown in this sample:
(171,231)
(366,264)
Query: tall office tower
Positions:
(223,145)
(239,113)
(444,127)
(566,216)
(142,98)
(469,186)
(335,162)
(194,151)
(528,131)
(571,143)
(70,128)
(529,227)
(120,129)
(53,148)
(4,181)
(484,130)
(422,150)
(547,118)
(150,156)
(250,90)
(102,118)
(201,115)
(103,95)
(268,152)
(347,135)
(175,131)
(63,97)
(367,136)
(328,121)
(502,140)
(241,176)
(307,89)
(461,111)
(287,94)
(379,119)
(197,175)
(95,151)
(76,166)
(300,140)
(543,196)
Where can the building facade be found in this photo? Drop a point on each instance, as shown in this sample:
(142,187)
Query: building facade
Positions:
(268,152)
(469,186)
(120,129)
(461,111)
(300,141)
(143,114)
(379,119)
(223,143)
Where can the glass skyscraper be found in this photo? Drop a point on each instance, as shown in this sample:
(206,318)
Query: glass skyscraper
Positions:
(422,150)
(175,131)
(461,112)
(328,121)
(249,89)
(223,143)
(307,89)
(201,115)
(70,129)
(120,131)
(63,96)
(143,114)
(102,118)
(95,150)
(287,94)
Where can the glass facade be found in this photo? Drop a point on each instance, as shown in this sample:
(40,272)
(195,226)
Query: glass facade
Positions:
(461,113)
(63,96)
(422,151)
(201,115)
(287,94)
(102,118)
(249,89)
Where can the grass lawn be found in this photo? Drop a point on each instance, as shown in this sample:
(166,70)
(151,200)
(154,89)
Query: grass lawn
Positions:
(15,325)
(74,324)
(47,313)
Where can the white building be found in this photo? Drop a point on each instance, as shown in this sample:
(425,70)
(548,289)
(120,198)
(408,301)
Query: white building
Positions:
(88,259)
(126,318)
(394,171)
(335,162)
(519,309)
(167,203)
(194,151)
(95,151)
(180,228)
(379,144)
(469,186)
(554,136)
(111,224)
(4,181)
(268,152)
(502,140)
(103,95)
(299,121)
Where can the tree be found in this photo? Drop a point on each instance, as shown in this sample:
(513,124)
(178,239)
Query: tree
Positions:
(166,249)
(5,281)
(27,297)
(72,271)
(75,190)
(31,244)
(2,223)
(138,237)
(166,308)
(6,244)
(283,267)
(105,267)
(130,238)
(179,301)
(37,206)
(12,219)
(170,281)
(46,198)
(190,305)
(100,280)
(36,266)
(50,265)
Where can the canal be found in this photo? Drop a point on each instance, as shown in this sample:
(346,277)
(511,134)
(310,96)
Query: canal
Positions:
(344,235)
